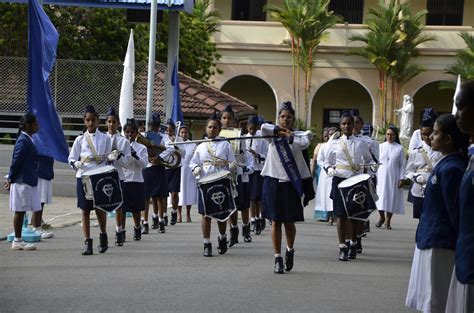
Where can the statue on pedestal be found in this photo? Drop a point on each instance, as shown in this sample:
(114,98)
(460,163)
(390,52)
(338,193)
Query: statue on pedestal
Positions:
(406,117)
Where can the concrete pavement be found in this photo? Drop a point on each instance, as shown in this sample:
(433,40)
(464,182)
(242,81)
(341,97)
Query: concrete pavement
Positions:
(166,272)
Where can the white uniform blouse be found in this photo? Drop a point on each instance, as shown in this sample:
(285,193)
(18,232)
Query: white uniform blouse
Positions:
(133,170)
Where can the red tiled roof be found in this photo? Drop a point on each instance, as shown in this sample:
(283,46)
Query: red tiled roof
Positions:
(198,100)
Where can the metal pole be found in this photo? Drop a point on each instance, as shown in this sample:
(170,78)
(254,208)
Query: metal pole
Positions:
(151,63)
(173,50)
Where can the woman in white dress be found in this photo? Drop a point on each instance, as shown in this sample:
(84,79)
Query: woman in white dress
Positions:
(188,195)
(390,178)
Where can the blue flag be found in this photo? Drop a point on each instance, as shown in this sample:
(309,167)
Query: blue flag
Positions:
(42,43)
(176,113)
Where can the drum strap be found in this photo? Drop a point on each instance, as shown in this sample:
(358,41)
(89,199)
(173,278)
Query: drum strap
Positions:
(348,155)
(91,146)
(426,158)
(215,159)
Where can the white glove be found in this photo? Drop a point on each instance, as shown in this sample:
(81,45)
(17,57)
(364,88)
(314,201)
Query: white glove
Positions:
(112,156)
(78,164)
(331,171)
(420,179)
(233,166)
(197,170)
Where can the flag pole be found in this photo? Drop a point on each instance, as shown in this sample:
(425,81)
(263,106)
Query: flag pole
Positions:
(151,63)
(456,93)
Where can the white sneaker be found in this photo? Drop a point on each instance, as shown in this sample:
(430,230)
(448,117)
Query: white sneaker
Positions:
(46,235)
(21,245)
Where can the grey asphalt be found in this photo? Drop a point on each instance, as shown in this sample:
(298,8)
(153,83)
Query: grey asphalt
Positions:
(166,273)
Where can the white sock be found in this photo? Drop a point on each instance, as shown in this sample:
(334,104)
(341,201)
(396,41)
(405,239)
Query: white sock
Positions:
(244,225)
(277,255)
(353,243)
(145,222)
(118,229)
(206,240)
(154,215)
(174,211)
(234,226)
(160,219)
(252,219)
(289,249)
(342,245)
(165,214)
(222,236)
(18,239)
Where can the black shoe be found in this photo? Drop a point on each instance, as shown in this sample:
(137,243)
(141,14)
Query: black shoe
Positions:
(161,229)
(118,239)
(289,257)
(103,242)
(124,235)
(137,234)
(234,236)
(87,247)
(367,226)
(278,269)
(359,245)
(145,229)
(165,218)
(259,226)
(246,233)
(174,218)
(343,253)
(252,226)
(207,250)
(222,245)
(353,252)
(155,223)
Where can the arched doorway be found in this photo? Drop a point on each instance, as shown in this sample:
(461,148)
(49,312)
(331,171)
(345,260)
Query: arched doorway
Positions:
(430,96)
(336,96)
(255,92)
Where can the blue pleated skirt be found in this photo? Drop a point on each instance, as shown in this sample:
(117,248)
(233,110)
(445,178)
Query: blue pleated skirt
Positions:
(156,185)
(173,176)
(256,185)
(133,197)
(280,201)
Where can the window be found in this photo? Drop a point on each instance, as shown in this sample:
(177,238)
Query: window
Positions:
(444,12)
(351,10)
(331,117)
(248,10)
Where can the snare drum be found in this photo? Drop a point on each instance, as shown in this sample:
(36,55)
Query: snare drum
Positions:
(102,186)
(230,133)
(216,196)
(359,196)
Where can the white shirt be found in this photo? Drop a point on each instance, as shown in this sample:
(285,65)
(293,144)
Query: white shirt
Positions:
(121,143)
(170,148)
(221,149)
(260,146)
(415,141)
(133,170)
(81,150)
(357,148)
(417,165)
(273,166)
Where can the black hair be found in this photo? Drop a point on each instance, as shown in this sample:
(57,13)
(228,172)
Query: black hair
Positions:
(395,130)
(466,96)
(447,124)
(91,109)
(287,106)
(358,117)
(215,120)
(27,119)
(346,114)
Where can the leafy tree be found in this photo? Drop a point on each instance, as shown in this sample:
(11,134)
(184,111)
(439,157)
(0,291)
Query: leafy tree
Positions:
(464,64)
(102,34)
(307,22)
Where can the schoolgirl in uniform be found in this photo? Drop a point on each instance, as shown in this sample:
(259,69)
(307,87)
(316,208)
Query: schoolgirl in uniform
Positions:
(45,188)
(420,164)
(437,231)
(212,157)
(121,144)
(188,195)
(173,175)
(245,161)
(344,156)
(283,174)
(23,179)
(156,184)
(89,151)
(258,148)
(134,186)
(461,289)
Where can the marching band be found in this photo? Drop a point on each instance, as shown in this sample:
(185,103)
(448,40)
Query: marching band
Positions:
(264,173)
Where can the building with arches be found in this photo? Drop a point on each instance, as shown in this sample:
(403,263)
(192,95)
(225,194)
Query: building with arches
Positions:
(257,65)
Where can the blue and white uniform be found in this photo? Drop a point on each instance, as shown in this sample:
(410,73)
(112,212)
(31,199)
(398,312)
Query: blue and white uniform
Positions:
(260,147)
(134,186)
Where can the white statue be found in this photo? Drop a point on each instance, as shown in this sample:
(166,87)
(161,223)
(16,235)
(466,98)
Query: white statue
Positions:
(406,117)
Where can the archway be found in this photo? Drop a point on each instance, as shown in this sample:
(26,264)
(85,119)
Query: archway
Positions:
(255,92)
(430,96)
(338,95)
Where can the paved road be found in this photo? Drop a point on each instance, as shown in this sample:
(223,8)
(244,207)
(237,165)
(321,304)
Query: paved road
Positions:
(166,273)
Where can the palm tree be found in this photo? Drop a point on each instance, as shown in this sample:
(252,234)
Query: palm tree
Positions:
(464,64)
(307,22)
(203,13)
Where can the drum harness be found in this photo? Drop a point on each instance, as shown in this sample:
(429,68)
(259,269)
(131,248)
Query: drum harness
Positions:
(429,164)
(98,159)
(352,167)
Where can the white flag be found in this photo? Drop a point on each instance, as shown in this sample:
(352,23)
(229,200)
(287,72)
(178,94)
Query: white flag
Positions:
(126,92)
(456,93)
